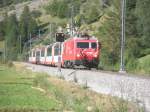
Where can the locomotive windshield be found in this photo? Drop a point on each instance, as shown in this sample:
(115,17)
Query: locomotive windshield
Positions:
(93,45)
(82,44)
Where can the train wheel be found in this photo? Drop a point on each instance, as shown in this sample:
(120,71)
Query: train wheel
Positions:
(89,68)
(68,64)
(72,65)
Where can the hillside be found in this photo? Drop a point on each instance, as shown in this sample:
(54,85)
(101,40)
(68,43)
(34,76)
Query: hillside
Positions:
(101,18)
(18,7)
(144,64)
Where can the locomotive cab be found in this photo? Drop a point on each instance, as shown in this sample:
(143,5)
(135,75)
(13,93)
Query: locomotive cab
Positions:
(87,53)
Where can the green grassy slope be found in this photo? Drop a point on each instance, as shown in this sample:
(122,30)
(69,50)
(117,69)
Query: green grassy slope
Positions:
(144,64)
(22,90)
(16,92)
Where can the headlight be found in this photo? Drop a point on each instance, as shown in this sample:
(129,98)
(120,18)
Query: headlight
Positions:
(95,55)
(78,55)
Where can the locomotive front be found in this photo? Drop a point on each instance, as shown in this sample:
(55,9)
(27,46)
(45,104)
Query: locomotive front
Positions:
(87,52)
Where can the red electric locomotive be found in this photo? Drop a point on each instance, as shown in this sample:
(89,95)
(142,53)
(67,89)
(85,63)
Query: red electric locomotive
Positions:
(83,50)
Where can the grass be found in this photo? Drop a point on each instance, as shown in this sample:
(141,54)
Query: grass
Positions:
(16,96)
(144,65)
(16,92)
(23,90)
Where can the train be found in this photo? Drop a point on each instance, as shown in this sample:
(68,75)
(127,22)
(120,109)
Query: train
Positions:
(72,52)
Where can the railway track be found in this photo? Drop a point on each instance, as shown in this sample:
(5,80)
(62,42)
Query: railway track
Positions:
(129,87)
(144,76)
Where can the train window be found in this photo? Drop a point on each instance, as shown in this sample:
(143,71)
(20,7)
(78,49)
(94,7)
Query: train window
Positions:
(42,53)
(30,54)
(37,54)
(49,51)
(93,45)
(33,53)
(82,44)
(56,50)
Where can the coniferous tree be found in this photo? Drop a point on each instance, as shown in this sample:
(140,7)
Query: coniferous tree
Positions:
(11,37)
(2,31)
(143,24)
(109,33)
(27,24)
(132,48)
(58,8)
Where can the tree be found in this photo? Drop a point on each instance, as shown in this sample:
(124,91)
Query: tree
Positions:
(143,24)
(58,8)
(93,15)
(132,51)
(27,24)
(91,11)
(62,9)
(12,37)
(109,35)
(105,3)
(131,19)
(2,31)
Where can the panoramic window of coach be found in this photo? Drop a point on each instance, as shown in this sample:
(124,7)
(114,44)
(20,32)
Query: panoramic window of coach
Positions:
(49,51)
(56,50)
(42,53)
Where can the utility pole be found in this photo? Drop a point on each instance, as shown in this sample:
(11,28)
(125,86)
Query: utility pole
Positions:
(123,8)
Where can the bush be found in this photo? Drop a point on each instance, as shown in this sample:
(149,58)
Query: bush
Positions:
(58,8)
(36,13)
(41,81)
(144,64)
(10,64)
(132,65)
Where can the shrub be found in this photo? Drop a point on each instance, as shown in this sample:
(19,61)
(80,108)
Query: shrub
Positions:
(36,13)
(10,64)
